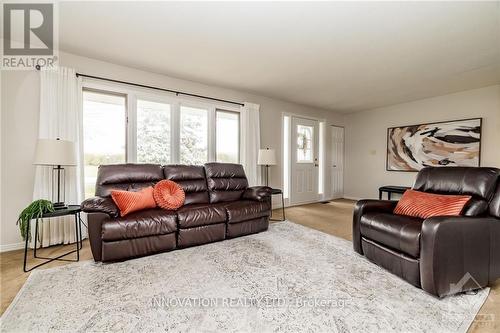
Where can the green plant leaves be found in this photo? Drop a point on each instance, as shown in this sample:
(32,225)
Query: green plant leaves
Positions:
(35,210)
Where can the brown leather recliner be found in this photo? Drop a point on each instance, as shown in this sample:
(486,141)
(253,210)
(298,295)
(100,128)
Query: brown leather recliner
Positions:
(219,205)
(442,255)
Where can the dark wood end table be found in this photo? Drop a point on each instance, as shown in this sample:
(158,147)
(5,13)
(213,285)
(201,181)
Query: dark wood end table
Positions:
(70,210)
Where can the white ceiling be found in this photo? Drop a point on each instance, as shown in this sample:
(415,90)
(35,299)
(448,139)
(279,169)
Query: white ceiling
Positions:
(343,56)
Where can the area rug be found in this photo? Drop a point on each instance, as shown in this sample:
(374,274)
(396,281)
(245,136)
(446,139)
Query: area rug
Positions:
(288,279)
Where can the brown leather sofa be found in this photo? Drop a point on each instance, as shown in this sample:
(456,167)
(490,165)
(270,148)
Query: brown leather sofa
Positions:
(442,255)
(219,205)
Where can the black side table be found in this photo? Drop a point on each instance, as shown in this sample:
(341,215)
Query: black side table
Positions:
(277,191)
(71,210)
(391,189)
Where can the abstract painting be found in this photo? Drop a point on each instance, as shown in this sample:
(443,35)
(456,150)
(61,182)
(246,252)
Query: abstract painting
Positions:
(450,143)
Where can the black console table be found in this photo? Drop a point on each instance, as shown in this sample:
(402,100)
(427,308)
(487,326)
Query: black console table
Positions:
(70,210)
(391,189)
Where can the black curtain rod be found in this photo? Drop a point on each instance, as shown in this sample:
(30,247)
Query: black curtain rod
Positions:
(177,93)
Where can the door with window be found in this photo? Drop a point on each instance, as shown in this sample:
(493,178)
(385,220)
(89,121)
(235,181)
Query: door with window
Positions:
(304,164)
(337,165)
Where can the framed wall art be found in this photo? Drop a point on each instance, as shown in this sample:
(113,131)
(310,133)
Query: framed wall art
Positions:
(447,143)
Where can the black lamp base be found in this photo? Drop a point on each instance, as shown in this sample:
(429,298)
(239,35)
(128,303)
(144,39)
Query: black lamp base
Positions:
(58,182)
(267,175)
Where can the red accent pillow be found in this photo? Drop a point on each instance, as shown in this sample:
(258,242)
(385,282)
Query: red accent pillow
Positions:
(169,195)
(424,205)
(128,201)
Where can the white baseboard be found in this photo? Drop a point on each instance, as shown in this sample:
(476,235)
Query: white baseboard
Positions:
(352,198)
(11,247)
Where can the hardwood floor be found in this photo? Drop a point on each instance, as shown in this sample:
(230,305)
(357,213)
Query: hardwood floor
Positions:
(334,218)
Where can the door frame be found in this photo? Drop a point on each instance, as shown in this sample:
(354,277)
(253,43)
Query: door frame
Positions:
(288,202)
(332,195)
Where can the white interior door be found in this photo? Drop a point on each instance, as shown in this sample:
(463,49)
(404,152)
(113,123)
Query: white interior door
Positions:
(304,165)
(337,165)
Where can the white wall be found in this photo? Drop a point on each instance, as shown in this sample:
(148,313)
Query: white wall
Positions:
(19,126)
(20,101)
(365,169)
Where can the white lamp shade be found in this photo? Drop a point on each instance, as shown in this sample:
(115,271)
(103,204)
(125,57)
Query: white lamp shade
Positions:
(266,157)
(55,152)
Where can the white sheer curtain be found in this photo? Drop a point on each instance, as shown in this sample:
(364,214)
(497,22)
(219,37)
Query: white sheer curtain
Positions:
(60,117)
(250,142)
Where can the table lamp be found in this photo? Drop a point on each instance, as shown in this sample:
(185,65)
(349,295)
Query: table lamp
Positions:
(56,153)
(267,157)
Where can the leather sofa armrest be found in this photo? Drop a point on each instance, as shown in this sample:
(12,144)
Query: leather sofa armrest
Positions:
(362,207)
(257,193)
(94,221)
(100,205)
(459,253)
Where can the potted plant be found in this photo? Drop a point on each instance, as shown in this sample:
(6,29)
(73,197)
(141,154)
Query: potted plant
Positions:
(35,210)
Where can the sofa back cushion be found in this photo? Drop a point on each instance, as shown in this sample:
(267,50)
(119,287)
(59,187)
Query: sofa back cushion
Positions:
(226,181)
(479,183)
(192,180)
(126,177)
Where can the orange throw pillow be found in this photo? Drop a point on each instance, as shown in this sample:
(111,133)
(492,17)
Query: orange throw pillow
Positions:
(169,195)
(425,205)
(128,201)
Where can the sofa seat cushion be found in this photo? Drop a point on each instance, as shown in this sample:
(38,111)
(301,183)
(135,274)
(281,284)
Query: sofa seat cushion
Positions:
(201,214)
(247,210)
(150,222)
(399,232)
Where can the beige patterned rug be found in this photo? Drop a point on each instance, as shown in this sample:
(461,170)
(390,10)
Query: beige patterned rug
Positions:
(288,279)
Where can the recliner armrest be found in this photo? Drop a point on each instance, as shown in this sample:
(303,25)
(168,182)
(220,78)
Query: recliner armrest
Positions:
(459,253)
(362,207)
(257,193)
(100,205)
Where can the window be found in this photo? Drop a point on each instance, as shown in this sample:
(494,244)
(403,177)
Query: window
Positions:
(103,113)
(123,125)
(194,135)
(153,132)
(227,136)
(304,144)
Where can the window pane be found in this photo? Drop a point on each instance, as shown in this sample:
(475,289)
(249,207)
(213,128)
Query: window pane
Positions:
(194,135)
(153,132)
(227,137)
(304,144)
(103,133)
